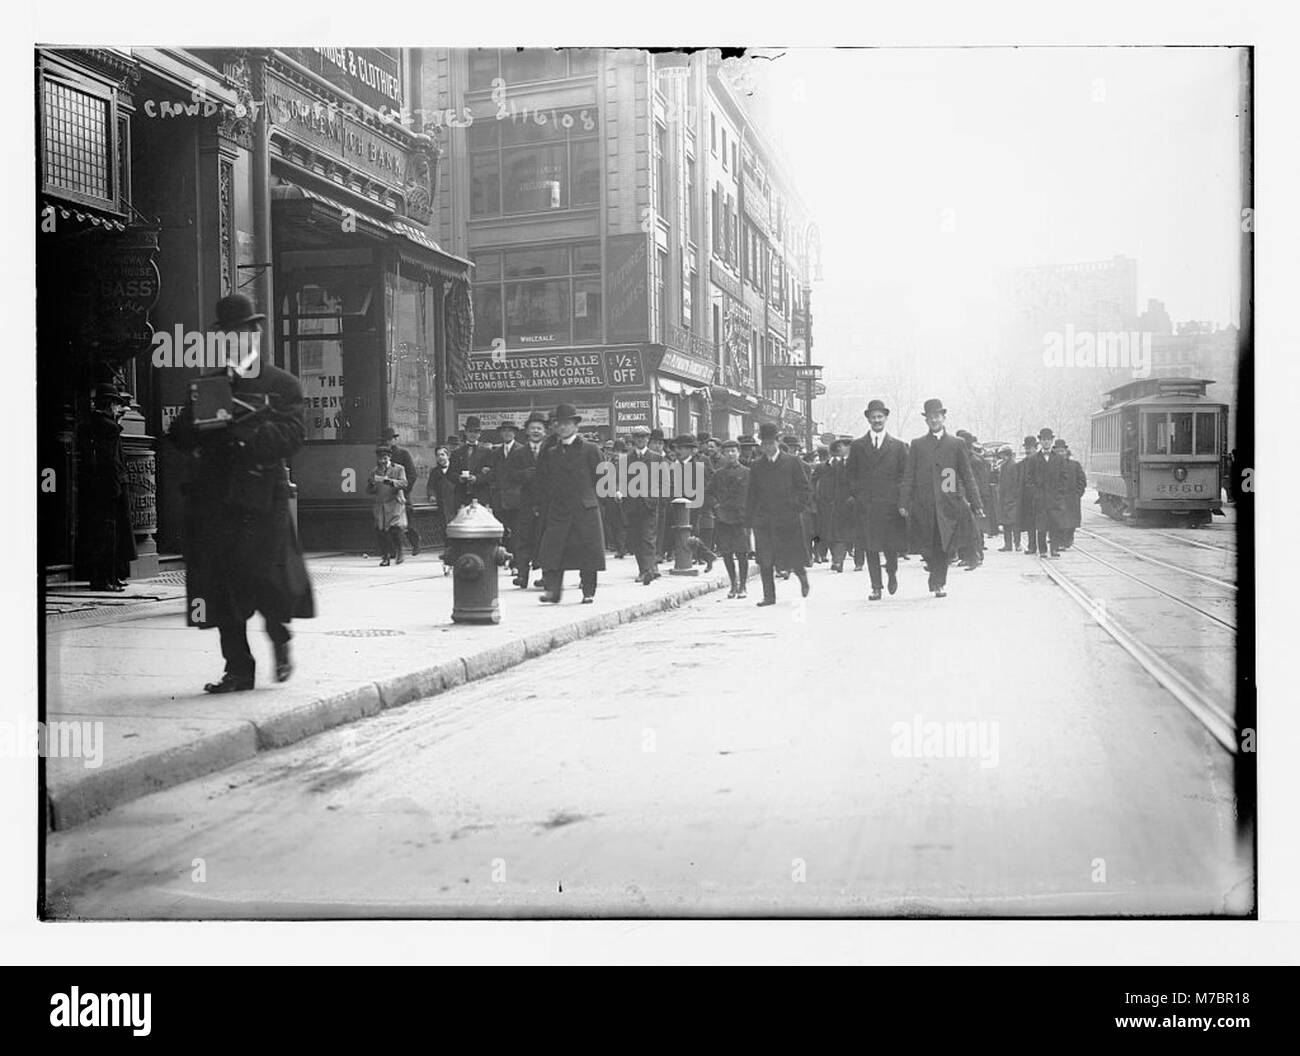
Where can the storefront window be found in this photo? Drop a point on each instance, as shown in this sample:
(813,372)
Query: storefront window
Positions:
(410,367)
(487,315)
(565,309)
(537,313)
(521,166)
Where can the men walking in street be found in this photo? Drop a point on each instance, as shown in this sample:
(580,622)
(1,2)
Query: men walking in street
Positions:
(930,497)
(105,542)
(402,457)
(1034,492)
(519,486)
(641,514)
(876,469)
(611,506)
(241,549)
(572,535)
(1059,497)
(727,496)
(779,495)
(1009,473)
(471,466)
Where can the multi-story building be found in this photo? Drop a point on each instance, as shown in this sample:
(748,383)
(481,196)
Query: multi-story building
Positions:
(639,251)
(169,178)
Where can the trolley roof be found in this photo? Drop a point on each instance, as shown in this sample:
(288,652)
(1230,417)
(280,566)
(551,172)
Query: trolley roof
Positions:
(1160,388)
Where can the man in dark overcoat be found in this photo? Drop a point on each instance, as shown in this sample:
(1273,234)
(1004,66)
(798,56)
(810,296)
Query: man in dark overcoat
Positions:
(505,496)
(695,468)
(519,487)
(471,467)
(641,512)
(779,496)
(931,499)
(1009,473)
(836,524)
(1057,497)
(241,549)
(876,467)
(727,497)
(105,542)
(572,535)
(1078,485)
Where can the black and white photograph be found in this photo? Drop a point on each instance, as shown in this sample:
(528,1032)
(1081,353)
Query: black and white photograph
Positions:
(625,480)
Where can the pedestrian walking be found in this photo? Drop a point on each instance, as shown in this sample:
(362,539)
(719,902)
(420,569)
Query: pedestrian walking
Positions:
(1008,491)
(836,524)
(779,496)
(520,479)
(727,497)
(387,483)
(1078,481)
(241,549)
(641,512)
(105,542)
(402,457)
(877,466)
(611,506)
(505,498)
(440,490)
(930,498)
(1033,492)
(471,466)
(572,535)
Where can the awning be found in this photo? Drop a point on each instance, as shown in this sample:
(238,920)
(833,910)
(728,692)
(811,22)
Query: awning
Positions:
(408,237)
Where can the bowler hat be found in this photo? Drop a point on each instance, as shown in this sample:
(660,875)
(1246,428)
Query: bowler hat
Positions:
(107,391)
(790,440)
(934,407)
(1045,432)
(1031,441)
(875,405)
(453,439)
(389,434)
(567,411)
(473,425)
(685,440)
(383,449)
(1059,445)
(507,425)
(536,416)
(656,434)
(703,438)
(767,431)
(235,310)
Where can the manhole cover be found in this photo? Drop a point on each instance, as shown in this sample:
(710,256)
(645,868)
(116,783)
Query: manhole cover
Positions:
(366,632)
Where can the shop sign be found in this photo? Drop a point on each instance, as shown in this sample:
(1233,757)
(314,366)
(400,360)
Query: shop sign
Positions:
(491,419)
(632,410)
(691,344)
(778,376)
(372,75)
(768,409)
(128,287)
(721,279)
(597,369)
(328,129)
(141,490)
(684,366)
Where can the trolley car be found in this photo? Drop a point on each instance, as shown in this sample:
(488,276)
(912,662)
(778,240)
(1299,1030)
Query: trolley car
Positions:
(1159,451)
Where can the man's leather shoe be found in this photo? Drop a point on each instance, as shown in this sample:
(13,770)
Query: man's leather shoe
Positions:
(893,582)
(229,684)
(550,599)
(587,599)
(283,663)
(1004,549)
(940,593)
(767,601)
(803,585)
(874,596)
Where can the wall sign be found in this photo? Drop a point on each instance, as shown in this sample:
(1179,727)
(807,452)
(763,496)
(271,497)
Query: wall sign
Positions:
(597,369)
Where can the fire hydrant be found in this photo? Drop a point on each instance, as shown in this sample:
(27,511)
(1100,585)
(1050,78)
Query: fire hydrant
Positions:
(474,552)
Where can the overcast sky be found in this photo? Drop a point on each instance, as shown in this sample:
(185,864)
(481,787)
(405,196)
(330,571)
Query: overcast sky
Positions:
(1028,156)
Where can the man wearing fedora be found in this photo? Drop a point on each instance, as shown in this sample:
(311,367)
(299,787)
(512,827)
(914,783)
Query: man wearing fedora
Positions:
(105,542)
(241,550)
(471,466)
(876,468)
(930,497)
(572,534)
(402,457)
(778,498)
(641,513)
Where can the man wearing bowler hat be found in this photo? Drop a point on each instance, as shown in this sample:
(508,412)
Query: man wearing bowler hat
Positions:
(930,497)
(471,466)
(641,512)
(1033,491)
(877,466)
(402,457)
(519,474)
(727,497)
(572,534)
(505,499)
(241,549)
(779,495)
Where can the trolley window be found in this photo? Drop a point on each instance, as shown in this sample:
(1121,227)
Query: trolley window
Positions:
(1155,436)
(1207,429)
(1180,439)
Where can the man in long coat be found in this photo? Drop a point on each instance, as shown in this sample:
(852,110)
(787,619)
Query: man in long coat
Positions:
(1009,498)
(876,468)
(505,497)
(572,534)
(1058,497)
(105,542)
(1033,495)
(471,467)
(241,550)
(402,457)
(727,497)
(1078,485)
(836,525)
(519,487)
(930,497)
(779,496)
(641,512)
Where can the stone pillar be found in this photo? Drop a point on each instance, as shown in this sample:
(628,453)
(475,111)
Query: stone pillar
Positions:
(142,492)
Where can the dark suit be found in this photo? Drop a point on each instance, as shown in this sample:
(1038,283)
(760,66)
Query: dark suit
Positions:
(641,518)
(572,534)
(876,480)
(241,550)
(1009,502)
(1033,501)
(836,521)
(518,485)
(727,497)
(505,497)
(779,496)
(936,468)
(478,461)
(1079,484)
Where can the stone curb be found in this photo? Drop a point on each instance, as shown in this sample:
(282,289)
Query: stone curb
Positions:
(101,790)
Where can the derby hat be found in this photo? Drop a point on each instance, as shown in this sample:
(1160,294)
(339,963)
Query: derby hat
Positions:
(536,416)
(767,431)
(235,310)
(473,425)
(1059,445)
(108,392)
(703,438)
(656,434)
(1045,432)
(747,441)
(875,405)
(934,406)
(685,440)
(388,434)
(1030,442)
(567,411)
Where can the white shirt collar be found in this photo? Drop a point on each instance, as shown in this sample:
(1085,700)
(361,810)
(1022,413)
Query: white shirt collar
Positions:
(569,440)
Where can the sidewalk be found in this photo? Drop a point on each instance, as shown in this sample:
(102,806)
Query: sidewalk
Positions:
(382,637)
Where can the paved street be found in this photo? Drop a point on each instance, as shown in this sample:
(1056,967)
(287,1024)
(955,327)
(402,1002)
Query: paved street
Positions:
(991,753)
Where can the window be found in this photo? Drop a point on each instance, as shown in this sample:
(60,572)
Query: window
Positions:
(661,281)
(724,148)
(520,166)
(1155,437)
(715,222)
(717,325)
(688,213)
(661,168)
(735,167)
(713,133)
(1207,439)
(542,297)
(79,142)
(1180,439)
(530,64)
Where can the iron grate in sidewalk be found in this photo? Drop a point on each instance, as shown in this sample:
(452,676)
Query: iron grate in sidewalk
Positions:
(366,632)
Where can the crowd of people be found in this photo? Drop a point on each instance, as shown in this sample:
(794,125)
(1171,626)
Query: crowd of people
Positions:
(873,498)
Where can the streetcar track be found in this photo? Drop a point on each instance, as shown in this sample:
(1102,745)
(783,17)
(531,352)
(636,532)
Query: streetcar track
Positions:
(1157,561)
(1198,542)
(1159,590)
(1222,727)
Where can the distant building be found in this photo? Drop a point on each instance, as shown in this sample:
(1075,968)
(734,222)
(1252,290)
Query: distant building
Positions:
(1198,350)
